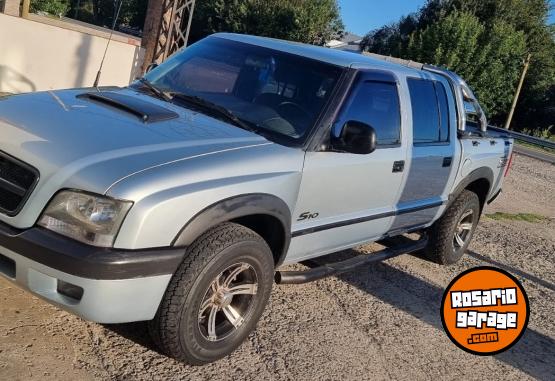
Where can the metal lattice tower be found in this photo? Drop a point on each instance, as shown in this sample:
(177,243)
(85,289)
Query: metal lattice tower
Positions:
(166,29)
(174,30)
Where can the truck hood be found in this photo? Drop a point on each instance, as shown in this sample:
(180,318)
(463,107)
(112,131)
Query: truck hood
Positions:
(77,143)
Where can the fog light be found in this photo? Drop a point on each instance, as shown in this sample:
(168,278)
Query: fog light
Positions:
(70,290)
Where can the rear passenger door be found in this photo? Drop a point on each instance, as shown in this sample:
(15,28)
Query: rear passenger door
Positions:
(433,157)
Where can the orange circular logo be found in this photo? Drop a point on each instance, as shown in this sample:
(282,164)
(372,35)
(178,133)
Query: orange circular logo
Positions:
(485,310)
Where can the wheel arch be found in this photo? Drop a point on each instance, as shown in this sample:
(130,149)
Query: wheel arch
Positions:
(267,215)
(479,181)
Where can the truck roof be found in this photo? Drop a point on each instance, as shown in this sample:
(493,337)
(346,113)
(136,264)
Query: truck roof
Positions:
(332,56)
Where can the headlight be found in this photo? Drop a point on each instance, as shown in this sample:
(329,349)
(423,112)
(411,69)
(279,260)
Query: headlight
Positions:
(88,218)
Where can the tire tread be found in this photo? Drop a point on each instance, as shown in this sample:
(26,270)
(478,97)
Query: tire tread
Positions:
(164,327)
(440,234)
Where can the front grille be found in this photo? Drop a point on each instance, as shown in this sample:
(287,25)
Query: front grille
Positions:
(17,181)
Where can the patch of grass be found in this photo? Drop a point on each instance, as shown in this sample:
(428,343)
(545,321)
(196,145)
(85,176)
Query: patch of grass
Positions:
(528,217)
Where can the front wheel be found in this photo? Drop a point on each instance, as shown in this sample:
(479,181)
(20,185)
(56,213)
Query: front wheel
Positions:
(449,237)
(216,297)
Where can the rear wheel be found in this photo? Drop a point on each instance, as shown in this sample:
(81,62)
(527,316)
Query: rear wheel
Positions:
(216,297)
(450,236)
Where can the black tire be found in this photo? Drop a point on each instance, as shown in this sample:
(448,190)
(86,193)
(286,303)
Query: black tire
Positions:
(178,328)
(443,247)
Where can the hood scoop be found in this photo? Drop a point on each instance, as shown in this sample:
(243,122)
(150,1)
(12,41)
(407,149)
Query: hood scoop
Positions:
(146,111)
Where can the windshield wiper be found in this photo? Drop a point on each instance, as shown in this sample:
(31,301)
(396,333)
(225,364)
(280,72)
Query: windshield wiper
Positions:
(215,108)
(155,90)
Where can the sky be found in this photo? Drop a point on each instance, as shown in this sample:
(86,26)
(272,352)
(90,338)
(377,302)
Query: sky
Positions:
(362,16)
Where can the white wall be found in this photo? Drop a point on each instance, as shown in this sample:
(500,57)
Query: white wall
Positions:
(36,56)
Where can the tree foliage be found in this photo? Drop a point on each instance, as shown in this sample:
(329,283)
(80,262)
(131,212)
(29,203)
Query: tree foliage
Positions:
(53,7)
(488,58)
(310,21)
(97,12)
(485,41)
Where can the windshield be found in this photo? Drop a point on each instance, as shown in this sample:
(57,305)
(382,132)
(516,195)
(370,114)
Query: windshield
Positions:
(275,93)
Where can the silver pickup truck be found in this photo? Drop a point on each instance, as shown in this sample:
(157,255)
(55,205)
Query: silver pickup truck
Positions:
(176,200)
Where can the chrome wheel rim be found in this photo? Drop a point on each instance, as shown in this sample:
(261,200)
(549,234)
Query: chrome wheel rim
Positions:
(228,302)
(463,229)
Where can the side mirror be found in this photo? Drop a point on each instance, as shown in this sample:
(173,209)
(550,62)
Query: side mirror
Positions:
(151,67)
(356,137)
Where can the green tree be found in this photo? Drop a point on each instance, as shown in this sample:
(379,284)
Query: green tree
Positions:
(54,7)
(489,59)
(310,21)
(486,42)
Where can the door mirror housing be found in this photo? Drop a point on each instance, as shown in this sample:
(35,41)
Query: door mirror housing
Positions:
(355,137)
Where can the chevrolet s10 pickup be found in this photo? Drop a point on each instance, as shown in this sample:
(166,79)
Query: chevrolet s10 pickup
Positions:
(175,200)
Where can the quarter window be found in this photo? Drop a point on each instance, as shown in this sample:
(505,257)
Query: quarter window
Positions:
(430,111)
(376,104)
(443,112)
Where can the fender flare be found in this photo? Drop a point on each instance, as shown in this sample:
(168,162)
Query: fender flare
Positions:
(233,208)
(477,174)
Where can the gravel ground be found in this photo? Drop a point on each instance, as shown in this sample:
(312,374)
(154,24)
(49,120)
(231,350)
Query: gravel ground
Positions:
(380,322)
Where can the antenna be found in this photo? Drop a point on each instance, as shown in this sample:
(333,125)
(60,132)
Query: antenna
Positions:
(107,45)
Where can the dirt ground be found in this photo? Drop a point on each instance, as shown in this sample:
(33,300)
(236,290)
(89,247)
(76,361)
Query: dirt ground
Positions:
(380,322)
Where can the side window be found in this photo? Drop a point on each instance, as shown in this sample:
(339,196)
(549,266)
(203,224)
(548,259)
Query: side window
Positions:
(376,104)
(443,112)
(430,111)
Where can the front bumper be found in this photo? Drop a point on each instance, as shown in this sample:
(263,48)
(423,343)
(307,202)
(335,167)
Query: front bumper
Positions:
(118,285)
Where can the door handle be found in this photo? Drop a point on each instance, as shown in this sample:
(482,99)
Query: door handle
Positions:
(447,161)
(398,166)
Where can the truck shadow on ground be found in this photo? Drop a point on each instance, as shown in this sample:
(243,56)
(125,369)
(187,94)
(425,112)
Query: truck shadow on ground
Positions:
(532,354)
(512,270)
(136,332)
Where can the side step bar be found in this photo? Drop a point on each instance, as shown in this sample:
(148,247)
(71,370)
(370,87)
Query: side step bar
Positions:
(316,273)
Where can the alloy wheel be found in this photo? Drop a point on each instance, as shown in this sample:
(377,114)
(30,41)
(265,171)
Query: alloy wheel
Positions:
(228,301)
(463,229)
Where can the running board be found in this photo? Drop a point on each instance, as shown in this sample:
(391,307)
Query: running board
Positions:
(316,273)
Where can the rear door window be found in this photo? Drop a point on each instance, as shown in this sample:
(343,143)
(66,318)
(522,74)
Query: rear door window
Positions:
(430,111)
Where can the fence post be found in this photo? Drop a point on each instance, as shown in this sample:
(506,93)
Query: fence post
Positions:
(25,8)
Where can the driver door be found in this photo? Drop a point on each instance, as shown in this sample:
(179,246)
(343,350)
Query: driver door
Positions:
(346,199)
